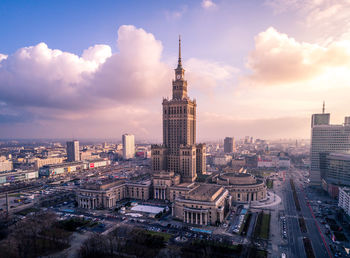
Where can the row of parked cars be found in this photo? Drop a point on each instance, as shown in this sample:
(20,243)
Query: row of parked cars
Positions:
(284,227)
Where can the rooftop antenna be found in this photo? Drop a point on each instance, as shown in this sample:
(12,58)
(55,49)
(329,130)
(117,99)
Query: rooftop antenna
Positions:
(179,63)
(323,107)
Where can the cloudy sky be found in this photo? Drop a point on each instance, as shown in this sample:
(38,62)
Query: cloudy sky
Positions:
(97,69)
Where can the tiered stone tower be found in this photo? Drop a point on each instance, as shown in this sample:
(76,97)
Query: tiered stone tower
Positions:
(179,152)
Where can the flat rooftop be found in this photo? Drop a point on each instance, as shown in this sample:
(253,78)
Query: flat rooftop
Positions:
(147,209)
(205,192)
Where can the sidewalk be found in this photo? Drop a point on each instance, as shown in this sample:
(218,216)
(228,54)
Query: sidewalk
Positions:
(272,200)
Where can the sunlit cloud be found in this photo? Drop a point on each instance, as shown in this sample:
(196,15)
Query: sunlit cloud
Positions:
(278,58)
(206,4)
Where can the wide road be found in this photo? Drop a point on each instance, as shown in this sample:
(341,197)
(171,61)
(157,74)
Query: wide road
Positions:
(295,238)
(313,232)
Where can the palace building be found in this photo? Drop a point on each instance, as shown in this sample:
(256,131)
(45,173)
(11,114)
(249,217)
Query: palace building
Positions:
(179,152)
(106,194)
(175,165)
(204,204)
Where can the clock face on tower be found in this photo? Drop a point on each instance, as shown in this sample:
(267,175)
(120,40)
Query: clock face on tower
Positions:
(178,76)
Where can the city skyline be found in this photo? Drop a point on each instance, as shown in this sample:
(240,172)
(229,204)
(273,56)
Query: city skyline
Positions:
(106,75)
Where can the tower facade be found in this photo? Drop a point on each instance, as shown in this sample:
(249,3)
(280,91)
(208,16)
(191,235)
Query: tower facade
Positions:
(128,146)
(229,145)
(179,152)
(326,138)
(73,153)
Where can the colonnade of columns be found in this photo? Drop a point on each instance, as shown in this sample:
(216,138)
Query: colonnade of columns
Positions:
(88,203)
(199,218)
(160,193)
(244,196)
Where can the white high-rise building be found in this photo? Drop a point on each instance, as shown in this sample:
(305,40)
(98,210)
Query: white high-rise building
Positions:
(344,199)
(73,151)
(128,146)
(326,138)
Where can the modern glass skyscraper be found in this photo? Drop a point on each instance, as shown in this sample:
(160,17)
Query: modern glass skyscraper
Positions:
(326,138)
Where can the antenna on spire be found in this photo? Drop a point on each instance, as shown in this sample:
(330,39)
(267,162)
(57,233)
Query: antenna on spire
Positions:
(179,62)
(323,107)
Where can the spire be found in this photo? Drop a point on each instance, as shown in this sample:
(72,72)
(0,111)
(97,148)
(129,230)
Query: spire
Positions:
(179,64)
(323,107)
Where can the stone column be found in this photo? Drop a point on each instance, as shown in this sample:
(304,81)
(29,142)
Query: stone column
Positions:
(200,218)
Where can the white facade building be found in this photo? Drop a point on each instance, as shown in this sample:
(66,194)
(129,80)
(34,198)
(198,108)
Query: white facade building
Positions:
(222,160)
(5,164)
(274,162)
(344,199)
(128,146)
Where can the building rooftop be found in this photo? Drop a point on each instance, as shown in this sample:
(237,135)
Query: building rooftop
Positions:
(204,192)
(66,164)
(10,173)
(237,179)
(103,184)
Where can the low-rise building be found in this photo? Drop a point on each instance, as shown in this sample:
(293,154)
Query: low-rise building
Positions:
(5,164)
(222,160)
(38,163)
(71,167)
(96,163)
(18,176)
(243,187)
(61,169)
(106,194)
(205,204)
(273,162)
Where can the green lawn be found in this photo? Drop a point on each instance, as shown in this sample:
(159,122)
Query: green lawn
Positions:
(265,226)
(166,236)
(269,183)
(26,211)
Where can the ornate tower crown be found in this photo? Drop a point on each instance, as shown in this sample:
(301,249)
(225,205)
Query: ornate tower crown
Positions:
(179,85)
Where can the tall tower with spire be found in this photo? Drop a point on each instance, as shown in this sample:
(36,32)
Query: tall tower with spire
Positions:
(179,152)
(179,84)
(323,107)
